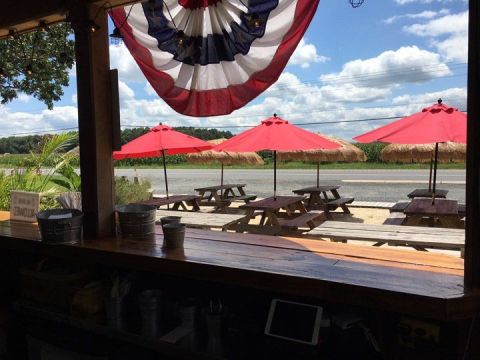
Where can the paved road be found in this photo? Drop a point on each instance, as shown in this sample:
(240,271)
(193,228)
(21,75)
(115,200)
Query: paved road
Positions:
(365,185)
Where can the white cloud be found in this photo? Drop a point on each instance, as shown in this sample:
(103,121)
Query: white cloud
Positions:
(375,78)
(456,97)
(449,24)
(128,70)
(124,91)
(149,90)
(60,117)
(354,94)
(408,64)
(306,54)
(448,34)
(427,14)
(74,99)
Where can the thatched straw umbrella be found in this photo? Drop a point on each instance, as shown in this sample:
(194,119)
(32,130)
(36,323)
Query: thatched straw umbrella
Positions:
(346,153)
(224,157)
(407,153)
(448,152)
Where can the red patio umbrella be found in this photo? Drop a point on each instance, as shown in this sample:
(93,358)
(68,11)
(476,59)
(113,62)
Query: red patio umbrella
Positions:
(435,124)
(275,134)
(161,140)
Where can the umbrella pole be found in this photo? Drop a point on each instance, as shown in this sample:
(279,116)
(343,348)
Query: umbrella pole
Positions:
(430,177)
(221,182)
(165,173)
(221,177)
(435,173)
(318,174)
(274,175)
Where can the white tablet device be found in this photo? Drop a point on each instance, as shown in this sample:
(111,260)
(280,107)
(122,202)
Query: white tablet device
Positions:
(294,321)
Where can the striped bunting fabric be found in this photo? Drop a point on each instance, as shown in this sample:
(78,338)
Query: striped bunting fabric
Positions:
(211,57)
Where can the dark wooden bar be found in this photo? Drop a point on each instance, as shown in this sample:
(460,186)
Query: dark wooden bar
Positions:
(381,279)
(472,230)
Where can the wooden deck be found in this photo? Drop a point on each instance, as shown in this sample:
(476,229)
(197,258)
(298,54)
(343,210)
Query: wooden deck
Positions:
(371,277)
(203,220)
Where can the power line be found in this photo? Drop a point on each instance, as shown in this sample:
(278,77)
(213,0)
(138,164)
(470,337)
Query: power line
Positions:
(46,131)
(296,124)
(314,110)
(237,126)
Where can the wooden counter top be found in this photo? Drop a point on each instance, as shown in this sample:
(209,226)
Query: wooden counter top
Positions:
(409,282)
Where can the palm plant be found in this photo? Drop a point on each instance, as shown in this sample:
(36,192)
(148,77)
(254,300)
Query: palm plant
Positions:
(39,170)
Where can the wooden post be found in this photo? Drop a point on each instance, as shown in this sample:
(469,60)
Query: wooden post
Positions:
(94,116)
(472,228)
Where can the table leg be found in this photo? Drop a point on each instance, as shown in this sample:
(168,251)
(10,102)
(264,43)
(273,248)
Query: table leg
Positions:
(311,201)
(194,204)
(241,191)
(325,196)
(262,219)
(289,209)
(176,205)
(227,193)
(243,222)
(301,207)
(211,196)
(272,218)
(343,206)
(201,194)
(220,204)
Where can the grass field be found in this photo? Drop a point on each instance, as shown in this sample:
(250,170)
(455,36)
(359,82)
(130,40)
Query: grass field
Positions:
(13,160)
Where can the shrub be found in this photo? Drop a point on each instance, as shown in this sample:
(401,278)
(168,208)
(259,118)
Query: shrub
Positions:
(372,151)
(127,191)
(172,160)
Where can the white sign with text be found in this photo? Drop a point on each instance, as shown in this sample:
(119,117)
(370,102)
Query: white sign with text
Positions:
(24,205)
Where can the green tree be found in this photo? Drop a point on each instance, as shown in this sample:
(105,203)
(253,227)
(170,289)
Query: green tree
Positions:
(36,64)
(204,134)
(129,134)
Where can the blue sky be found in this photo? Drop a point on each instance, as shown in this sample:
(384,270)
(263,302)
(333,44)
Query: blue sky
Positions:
(386,58)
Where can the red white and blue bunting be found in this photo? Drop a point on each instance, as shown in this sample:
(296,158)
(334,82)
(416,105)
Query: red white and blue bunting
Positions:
(211,57)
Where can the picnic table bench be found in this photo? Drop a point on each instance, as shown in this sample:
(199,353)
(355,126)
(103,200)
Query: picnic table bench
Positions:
(221,196)
(320,200)
(439,193)
(419,238)
(178,201)
(400,206)
(442,211)
(293,219)
(395,218)
(201,220)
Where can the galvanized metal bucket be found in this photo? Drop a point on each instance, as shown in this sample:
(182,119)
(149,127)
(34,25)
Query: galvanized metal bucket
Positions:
(136,220)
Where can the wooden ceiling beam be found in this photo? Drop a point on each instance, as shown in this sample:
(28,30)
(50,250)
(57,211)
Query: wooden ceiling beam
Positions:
(28,17)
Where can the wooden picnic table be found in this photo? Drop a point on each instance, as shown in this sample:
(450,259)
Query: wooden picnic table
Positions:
(420,238)
(442,210)
(221,196)
(201,220)
(274,222)
(320,200)
(178,201)
(439,193)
